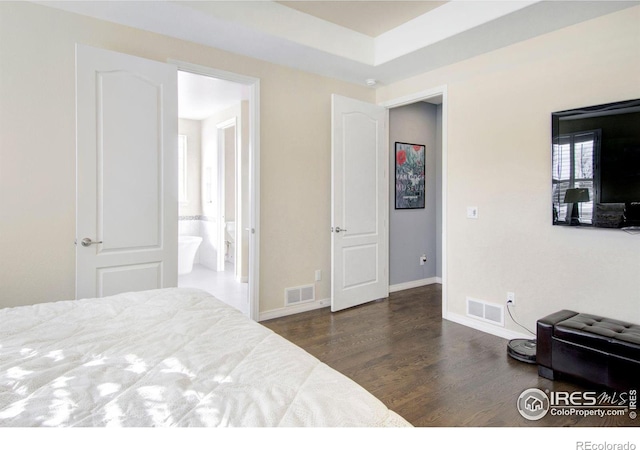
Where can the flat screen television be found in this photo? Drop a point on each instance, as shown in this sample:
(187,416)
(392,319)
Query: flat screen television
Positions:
(596,166)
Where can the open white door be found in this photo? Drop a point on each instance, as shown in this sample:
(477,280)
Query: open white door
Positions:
(127,188)
(359,203)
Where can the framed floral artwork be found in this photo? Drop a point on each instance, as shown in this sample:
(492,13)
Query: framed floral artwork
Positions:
(410,168)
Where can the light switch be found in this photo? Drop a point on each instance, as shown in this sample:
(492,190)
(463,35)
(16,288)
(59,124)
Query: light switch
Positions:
(472,212)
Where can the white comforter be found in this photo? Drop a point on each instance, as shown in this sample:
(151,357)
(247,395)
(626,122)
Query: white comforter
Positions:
(172,357)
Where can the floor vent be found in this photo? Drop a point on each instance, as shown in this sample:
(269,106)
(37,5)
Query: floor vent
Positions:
(489,312)
(300,294)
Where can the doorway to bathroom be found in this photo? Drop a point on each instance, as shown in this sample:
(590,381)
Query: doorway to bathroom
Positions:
(215,199)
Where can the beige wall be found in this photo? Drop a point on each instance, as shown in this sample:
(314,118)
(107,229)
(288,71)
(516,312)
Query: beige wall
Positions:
(498,122)
(37,153)
(499,159)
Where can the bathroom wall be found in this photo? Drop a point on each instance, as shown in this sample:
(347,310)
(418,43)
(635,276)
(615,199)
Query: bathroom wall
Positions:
(229,142)
(210,226)
(193,130)
(190,212)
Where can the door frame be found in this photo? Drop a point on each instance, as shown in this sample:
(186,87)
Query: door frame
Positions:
(414,98)
(254,170)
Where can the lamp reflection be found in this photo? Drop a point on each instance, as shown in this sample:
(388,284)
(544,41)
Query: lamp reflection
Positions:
(575,196)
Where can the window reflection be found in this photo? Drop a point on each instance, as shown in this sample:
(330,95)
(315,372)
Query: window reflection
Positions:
(573,163)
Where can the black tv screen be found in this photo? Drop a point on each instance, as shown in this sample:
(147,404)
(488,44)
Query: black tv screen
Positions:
(596,165)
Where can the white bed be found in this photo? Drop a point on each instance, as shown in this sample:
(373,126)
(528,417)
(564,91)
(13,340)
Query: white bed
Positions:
(170,357)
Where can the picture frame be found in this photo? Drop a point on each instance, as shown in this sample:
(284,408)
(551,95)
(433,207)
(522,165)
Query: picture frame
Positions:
(409,176)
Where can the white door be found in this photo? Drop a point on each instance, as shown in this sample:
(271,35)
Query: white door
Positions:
(359,238)
(127,168)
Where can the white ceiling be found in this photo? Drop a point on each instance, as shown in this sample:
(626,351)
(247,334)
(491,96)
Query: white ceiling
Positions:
(367,17)
(273,31)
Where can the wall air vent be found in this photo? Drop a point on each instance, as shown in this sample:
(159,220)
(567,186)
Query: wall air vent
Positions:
(300,294)
(488,312)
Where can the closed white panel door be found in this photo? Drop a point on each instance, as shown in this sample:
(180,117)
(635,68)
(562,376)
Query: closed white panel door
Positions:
(127,189)
(359,254)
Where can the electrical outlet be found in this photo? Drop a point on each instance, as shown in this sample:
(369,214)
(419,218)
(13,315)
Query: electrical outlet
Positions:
(423,259)
(318,275)
(511,298)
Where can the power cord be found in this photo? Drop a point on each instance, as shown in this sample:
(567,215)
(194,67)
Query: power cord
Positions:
(515,321)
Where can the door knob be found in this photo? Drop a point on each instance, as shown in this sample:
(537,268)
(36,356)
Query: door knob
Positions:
(338,229)
(86,242)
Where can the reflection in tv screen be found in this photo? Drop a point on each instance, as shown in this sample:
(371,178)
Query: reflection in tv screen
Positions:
(596,166)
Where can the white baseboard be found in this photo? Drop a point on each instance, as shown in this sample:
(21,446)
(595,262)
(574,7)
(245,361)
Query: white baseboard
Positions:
(414,284)
(485,327)
(453,317)
(289,310)
(303,307)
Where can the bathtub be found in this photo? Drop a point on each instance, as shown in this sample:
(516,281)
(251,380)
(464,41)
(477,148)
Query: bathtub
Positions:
(187,248)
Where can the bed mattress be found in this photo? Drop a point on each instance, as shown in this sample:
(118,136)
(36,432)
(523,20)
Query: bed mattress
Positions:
(170,357)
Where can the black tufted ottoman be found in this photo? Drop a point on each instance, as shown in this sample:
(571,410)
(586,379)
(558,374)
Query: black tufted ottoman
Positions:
(595,349)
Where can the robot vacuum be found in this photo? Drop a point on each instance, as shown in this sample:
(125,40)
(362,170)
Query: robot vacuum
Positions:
(523,350)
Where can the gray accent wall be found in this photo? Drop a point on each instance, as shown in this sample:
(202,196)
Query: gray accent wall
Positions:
(414,232)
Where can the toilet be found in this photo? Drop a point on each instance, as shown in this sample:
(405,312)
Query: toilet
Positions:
(187,248)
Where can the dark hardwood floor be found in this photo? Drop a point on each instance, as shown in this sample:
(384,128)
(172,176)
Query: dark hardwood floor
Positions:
(431,371)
